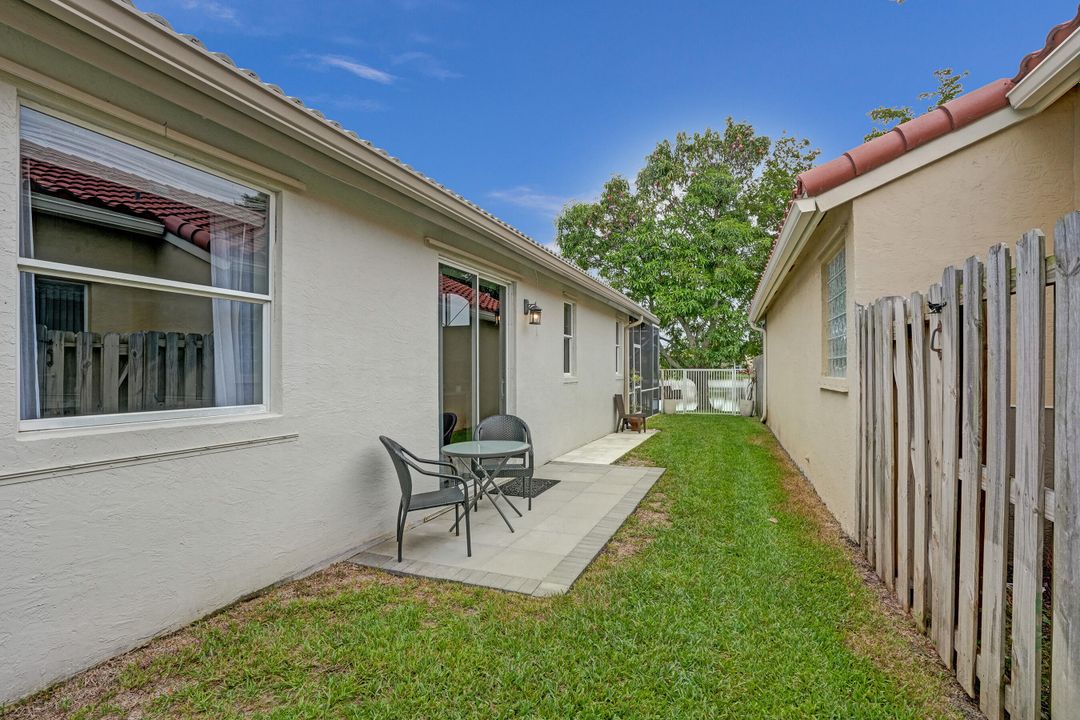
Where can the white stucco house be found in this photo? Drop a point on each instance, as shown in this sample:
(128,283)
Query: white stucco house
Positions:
(215,300)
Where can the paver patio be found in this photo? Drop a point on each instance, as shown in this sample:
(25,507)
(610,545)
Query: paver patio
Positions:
(551,544)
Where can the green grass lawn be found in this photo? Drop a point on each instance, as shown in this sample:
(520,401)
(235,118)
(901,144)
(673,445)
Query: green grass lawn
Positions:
(725,596)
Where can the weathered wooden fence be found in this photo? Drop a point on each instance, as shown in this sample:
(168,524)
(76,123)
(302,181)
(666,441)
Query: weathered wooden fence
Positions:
(969,485)
(86,373)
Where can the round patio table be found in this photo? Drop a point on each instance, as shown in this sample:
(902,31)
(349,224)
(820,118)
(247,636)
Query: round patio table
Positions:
(472,452)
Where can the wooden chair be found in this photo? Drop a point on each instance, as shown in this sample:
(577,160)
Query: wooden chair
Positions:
(627,420)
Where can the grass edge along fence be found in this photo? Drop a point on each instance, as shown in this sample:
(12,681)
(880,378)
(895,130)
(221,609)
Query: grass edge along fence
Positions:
(969,468)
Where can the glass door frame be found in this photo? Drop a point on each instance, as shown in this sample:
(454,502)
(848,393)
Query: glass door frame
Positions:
(509,321)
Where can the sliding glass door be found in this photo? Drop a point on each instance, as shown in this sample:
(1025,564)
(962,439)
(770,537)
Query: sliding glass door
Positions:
(472,350)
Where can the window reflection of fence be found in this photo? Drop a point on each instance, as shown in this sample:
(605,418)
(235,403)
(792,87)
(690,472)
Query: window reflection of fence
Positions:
(89,373)
(707,391)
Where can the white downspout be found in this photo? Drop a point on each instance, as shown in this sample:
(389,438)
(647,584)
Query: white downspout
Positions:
(763,386)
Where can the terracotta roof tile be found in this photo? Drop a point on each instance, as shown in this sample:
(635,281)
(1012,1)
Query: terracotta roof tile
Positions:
(954,114)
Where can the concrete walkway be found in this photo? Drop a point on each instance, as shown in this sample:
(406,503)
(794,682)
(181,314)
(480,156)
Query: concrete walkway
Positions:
(607,449)
(550,546)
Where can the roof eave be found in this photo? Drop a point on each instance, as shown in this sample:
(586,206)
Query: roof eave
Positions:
(122,26)
(1051,78)
(802,219)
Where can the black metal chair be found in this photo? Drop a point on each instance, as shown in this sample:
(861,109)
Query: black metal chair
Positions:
(449,422)
(510,427)
(404,463)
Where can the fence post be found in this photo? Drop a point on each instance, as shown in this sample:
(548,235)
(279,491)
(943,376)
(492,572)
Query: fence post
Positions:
(998,502)
(1028,551)
(1065,673)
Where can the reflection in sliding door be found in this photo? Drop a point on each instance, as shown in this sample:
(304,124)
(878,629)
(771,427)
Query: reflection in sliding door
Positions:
(457,323)
(472,349)
(491,350)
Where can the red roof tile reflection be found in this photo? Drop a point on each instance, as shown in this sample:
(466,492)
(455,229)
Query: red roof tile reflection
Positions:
(448,285)
(59,174)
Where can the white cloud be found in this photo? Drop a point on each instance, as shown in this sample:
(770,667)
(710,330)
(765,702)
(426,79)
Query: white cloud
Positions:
(345,102)
(426,63)
(211,9)
(358,69)
(527,197)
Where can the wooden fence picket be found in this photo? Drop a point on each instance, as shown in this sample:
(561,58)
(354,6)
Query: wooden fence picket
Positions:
(1028,527)
(902,505)
(871,438)
(971,425)
(1065,662)
(920,463)
(110,373)
(998,494)
(945,615)
(934,435)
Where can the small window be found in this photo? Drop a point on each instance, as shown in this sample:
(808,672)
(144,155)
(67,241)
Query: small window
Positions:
(618,348)
(569,349)
(144,282)
(835,293)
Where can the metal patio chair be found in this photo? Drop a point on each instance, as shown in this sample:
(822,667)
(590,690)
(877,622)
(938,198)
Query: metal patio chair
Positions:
(449,423)
(624,418)
(510,427)
(458,494)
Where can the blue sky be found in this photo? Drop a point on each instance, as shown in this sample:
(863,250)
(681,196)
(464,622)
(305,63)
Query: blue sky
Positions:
(522,106)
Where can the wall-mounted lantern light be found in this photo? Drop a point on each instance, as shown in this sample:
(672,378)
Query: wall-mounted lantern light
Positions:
(533,311)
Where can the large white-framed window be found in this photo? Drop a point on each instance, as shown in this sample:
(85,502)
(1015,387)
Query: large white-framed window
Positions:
(618,349)
(569,340)
(168,265)
(835,316)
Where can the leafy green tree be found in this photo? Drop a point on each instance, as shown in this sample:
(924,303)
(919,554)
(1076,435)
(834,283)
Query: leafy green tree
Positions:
(950,86)
(689,239)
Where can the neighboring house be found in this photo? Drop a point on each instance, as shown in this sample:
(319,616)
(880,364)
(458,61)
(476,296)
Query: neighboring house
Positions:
(884,219)
(215,301)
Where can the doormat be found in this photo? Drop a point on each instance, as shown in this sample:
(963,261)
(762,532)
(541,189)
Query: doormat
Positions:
(516,487)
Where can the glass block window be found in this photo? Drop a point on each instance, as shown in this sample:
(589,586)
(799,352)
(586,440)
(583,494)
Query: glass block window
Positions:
(836,317)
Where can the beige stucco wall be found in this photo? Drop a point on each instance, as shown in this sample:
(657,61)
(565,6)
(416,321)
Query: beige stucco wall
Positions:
(812,416)
(99,560)
(987,193)
(900,237)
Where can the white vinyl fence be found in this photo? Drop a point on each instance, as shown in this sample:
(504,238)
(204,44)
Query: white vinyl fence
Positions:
(706,391)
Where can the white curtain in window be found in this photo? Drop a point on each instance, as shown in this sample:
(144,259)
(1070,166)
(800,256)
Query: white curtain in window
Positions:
(30,392)
(237,325)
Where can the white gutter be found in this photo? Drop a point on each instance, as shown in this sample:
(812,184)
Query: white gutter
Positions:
(184,59)
(803,217)
(1053,77)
